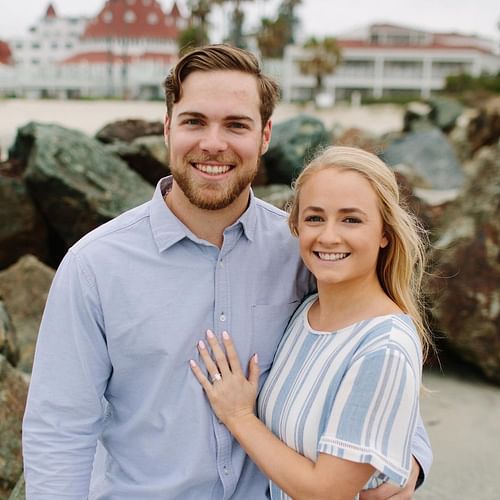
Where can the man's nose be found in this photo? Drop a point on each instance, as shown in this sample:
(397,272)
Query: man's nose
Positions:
(213,140)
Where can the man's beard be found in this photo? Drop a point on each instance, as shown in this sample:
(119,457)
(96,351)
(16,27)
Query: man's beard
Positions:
(208,196)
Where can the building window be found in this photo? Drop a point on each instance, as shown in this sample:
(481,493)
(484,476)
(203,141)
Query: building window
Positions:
(35,45)
(35,61)
(129,16)
(107,17)
(152,18)
(19,45)
(54,45)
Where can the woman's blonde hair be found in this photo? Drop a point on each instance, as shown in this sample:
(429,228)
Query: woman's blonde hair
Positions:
(401,264)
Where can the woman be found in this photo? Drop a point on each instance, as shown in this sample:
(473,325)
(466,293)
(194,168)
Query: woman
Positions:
(340,404)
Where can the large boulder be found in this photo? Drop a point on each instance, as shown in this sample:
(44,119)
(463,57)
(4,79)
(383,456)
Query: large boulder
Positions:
(429,153)
(484,128)
(293,142)
(75,182)
(128,130)
(444,112)
(19,492)
(148,156)
(8,341)
(466,277)
(22,229)
(13,392)
(23,289)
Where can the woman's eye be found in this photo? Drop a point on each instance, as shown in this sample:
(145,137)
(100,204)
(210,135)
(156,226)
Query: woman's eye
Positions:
(352,220)
(313,218)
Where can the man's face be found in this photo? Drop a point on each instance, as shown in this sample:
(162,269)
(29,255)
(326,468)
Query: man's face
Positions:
(215,137)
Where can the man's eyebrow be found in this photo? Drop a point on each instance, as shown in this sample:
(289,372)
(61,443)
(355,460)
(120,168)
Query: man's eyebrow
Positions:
(196,114)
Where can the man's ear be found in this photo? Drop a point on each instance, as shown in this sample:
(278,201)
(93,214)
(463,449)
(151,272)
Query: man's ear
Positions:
(166,127)
(266,137)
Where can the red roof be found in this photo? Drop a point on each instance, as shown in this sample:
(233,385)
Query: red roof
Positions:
(133,19)
(107,58)
(5,53)
(51,12)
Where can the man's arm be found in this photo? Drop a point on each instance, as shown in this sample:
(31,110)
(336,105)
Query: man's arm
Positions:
(64,409)
(422,461)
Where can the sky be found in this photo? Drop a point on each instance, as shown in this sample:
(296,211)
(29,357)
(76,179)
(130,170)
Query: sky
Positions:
(318,17)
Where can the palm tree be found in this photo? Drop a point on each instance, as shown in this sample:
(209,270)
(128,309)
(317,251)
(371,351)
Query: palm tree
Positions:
(323,56)
(275,35)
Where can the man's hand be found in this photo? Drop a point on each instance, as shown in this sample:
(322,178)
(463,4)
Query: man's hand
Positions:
(387,490)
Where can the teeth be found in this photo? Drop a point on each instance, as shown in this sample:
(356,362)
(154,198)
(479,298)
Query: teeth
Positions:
(212,169)
(332,256)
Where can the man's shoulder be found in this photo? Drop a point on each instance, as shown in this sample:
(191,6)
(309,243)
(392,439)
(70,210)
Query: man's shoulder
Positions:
(269,211)
(126,223)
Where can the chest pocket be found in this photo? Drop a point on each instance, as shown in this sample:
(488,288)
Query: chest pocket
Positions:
(268,325)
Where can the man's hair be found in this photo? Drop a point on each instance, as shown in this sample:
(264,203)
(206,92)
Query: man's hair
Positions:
(401,264)
(221,57)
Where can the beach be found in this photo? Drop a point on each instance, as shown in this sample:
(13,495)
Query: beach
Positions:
(460,410)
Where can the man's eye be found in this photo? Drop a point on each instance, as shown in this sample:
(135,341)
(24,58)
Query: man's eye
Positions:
(237,125)
(191,121)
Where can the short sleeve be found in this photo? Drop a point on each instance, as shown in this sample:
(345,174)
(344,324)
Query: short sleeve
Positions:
(372,417)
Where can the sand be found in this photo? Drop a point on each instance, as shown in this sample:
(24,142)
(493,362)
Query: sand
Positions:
(90,116)
(461,414)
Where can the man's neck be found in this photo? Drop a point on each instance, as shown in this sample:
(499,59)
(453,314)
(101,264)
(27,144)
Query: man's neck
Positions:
(208,225)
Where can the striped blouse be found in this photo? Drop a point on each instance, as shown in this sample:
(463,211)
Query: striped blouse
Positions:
(352,393)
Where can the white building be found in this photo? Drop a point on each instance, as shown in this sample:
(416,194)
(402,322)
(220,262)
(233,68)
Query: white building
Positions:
(126,50)
(383,60)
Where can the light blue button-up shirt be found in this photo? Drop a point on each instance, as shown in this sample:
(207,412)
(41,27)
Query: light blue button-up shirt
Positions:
(126,308)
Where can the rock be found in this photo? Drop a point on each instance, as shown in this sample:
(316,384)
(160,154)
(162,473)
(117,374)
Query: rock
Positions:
(293,142)
(24,288)
(128,130)
(467,272)
(278,195)
(417,117)
(444,112)
(358,138)
(430,154)
(148,156)
(75,182)
(19,492)
(13,392)
(484,129)
(8,341)
(22,230)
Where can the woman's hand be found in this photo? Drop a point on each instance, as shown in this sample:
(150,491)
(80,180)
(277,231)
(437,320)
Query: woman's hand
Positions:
(230,393)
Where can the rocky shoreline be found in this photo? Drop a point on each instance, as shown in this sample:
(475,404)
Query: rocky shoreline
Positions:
(58,183)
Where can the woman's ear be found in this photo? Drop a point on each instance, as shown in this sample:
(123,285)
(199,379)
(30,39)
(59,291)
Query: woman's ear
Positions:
(384,241)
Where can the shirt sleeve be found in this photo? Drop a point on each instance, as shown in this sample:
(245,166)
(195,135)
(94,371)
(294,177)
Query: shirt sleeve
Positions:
(64,411)
(372,417)
(422,451)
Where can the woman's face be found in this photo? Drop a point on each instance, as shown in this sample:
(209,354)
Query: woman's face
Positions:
(340,227)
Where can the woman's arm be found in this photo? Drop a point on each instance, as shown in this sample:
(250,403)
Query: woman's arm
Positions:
(233,396)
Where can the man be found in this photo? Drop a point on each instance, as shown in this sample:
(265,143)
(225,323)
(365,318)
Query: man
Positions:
(131,299)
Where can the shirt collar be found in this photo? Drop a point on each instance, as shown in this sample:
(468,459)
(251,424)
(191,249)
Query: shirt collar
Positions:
(167,229)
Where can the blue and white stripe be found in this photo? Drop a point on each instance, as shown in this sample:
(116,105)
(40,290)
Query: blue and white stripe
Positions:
(352,393)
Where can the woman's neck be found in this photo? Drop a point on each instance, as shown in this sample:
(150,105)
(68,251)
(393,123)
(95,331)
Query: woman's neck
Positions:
(343,304)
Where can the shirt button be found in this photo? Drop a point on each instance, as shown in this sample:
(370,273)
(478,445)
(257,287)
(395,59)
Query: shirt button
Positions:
(222,317)
(221,263)
(226,470)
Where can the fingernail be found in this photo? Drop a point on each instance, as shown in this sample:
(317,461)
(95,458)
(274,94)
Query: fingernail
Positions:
(192,362)
(256,358)
(210,334)
(201,344)
(225,335)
